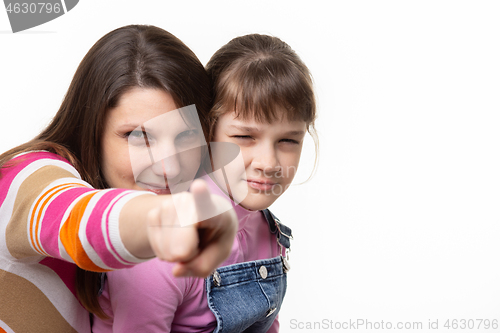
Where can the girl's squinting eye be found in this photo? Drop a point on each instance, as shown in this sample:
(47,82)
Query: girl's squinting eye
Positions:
(242,137)
(291,141)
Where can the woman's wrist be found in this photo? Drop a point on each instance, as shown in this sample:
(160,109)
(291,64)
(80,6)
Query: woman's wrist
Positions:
(134,223)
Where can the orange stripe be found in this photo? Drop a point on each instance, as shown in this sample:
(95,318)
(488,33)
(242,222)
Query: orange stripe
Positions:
(32,239)
(35,241)
(2,330)
(32,217)
(71,242)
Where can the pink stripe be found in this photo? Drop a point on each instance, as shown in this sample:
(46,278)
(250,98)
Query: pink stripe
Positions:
(94,233)
(49,233)
(7,174)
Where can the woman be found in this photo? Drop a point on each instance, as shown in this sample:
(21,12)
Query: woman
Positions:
(59,230)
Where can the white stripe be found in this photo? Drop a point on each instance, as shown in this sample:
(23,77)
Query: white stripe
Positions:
(7,206)
(5,327)
(104,228)
(31,151)
(82,232)
(114,232)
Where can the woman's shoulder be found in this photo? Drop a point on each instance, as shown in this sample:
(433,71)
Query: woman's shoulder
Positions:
(41,163)
(37,159)
(38,155)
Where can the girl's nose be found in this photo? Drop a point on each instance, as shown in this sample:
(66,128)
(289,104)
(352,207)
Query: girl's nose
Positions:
(266,160)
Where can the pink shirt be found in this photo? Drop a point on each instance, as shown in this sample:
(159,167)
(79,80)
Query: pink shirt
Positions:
(147,298)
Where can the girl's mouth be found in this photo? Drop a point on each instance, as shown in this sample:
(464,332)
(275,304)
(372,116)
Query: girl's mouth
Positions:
(262,185)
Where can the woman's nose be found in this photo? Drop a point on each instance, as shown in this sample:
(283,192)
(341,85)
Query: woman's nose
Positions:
(168,167)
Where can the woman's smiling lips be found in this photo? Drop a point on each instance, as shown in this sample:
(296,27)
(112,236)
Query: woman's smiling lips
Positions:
(261,184)
(155,188)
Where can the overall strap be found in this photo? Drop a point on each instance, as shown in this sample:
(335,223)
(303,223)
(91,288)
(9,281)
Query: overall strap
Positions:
(283,233)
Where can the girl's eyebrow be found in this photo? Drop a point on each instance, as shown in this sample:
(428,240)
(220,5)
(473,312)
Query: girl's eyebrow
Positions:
(255,129)
(295,133)
(245,128)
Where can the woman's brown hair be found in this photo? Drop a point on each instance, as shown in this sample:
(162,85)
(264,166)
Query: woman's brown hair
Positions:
(259,76)
(131,56)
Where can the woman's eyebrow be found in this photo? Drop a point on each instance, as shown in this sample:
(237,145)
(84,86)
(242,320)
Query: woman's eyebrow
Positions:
(129,125)
(135,126)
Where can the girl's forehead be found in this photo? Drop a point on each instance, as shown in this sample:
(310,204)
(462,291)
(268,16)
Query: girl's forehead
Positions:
(272,115)
(235,120)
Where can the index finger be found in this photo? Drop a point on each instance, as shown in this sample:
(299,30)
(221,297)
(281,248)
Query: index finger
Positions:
(205,206)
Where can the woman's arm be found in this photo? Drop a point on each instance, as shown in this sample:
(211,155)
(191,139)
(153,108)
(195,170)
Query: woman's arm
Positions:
(47,210)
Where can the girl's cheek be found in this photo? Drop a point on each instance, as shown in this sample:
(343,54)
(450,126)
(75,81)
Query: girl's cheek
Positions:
(246,155)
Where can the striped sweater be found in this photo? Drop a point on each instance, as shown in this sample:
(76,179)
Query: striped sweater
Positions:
(51,221)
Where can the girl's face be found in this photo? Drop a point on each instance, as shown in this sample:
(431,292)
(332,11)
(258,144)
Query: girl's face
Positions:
(271,154)
(147,144)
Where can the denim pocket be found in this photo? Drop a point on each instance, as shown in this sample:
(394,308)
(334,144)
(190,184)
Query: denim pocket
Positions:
(246,297)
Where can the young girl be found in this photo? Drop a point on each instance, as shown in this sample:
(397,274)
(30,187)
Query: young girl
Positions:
(70,206)
(264,103)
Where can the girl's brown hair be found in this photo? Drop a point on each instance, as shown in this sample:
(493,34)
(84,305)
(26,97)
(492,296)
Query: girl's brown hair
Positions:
(132,56)
(259,77)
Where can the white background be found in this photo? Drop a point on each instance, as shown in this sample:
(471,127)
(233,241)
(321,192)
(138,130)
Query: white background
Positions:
(401,221)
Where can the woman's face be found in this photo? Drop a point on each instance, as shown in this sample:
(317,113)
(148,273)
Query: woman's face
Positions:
(147,143)
(270,153)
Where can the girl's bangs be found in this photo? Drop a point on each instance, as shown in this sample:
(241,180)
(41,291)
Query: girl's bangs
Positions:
(266,93)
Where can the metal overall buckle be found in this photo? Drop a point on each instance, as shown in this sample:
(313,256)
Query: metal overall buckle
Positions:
(284,259)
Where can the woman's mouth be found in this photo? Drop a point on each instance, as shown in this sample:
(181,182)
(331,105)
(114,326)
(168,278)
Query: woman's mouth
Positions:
(158,191)
(155,188)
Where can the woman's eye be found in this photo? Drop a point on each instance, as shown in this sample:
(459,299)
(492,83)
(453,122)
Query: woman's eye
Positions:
(242,137)
(187,136)
(135,134)
(138,138)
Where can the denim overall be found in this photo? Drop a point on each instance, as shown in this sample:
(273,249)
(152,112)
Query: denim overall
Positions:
(247,297)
